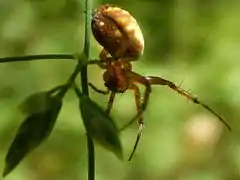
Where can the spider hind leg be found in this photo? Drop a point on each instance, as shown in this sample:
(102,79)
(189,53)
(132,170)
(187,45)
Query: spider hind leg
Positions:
(160,81)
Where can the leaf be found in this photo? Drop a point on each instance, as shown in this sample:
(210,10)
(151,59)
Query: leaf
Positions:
(36,103)
(100,126)
(31,133)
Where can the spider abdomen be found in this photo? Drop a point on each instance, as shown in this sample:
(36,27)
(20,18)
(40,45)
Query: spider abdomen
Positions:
(118,32)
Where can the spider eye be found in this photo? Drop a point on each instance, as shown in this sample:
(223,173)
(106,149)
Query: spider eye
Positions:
(118,32)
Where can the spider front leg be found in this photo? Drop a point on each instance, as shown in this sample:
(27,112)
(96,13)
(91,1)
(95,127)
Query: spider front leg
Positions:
(137,78)
(104,92)
(141,106)
(110,102)
(102,63)
(111,98)
(164,82)
(140,118)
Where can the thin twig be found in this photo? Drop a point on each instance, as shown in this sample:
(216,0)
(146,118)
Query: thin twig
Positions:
(37,57)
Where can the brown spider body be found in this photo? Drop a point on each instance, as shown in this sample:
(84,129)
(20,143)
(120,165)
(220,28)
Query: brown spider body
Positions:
(120,36)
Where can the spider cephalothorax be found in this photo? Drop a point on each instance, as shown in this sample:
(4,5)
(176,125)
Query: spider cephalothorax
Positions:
(114,76)
(119,34)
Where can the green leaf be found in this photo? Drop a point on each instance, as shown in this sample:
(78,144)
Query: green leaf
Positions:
(36,103)
(99,125)
(36,128)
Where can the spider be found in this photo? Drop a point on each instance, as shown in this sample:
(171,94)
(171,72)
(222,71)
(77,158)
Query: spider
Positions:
(117,31)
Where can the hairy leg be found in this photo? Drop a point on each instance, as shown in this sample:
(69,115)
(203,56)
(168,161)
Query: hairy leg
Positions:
(164,82)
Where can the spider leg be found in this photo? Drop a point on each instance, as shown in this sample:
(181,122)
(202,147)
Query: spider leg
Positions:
(104,54)
(110,102)
(100,63)
(134,77)
(164,82)
(104,92)
(140,118)
(111,98)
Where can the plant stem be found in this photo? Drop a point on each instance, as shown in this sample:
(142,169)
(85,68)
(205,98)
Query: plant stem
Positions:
(84,81)
(37,57)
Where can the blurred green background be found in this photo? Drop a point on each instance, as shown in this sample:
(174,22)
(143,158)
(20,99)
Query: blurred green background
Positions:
(191,42)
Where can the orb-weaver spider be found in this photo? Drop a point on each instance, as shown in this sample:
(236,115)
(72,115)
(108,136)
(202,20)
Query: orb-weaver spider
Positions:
(121,37)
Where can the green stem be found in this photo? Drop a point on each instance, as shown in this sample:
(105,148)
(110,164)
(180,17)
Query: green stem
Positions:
(37,57)
(84,81)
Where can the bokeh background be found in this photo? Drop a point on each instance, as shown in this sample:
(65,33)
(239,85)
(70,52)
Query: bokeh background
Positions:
(194,43)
